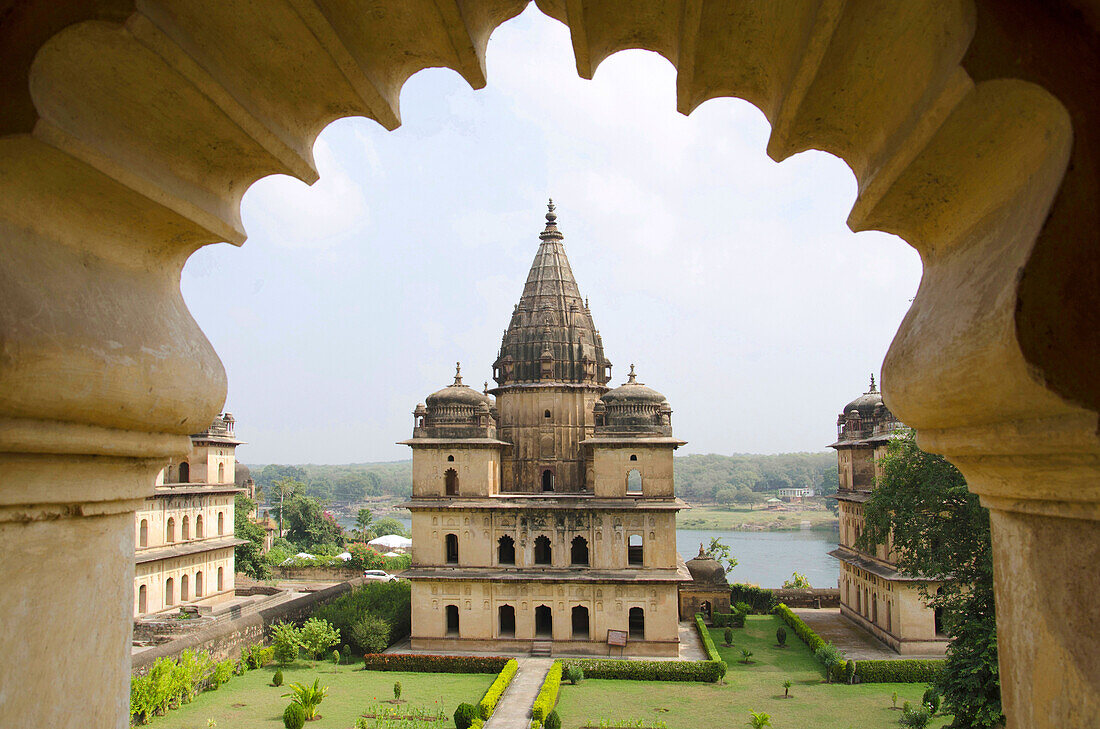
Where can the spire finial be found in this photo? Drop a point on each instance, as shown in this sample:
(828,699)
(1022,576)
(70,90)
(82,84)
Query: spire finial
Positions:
(551,230)
(702,553)
(873,383)
(458,375)
(486,387)
(632,379)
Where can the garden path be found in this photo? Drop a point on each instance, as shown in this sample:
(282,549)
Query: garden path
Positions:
(855,642)
(514,709)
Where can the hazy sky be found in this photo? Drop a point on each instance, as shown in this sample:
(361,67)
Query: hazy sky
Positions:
(730,281)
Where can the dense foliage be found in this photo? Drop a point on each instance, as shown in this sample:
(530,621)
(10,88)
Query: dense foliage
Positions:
(390,602)
(249,557)
(761,601)
(488,702)
(941,531)
(433,664)
(749,479)
(317,636)
(547,697)
(346,484)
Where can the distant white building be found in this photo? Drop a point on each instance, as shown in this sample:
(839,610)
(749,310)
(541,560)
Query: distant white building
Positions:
(796,493)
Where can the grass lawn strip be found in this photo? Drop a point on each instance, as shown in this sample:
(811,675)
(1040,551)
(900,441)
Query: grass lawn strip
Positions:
(757,687)
(251,702)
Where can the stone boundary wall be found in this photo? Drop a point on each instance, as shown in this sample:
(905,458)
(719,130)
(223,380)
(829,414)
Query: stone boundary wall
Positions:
(817,597)
(225,639)
(315,574)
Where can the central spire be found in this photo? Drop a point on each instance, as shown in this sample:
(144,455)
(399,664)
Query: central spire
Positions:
(551,337)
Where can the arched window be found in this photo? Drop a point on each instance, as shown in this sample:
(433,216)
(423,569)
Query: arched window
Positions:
(578,552)
(506,619)
(221,473)
(198,527)
(938,620)
(185,473)
(450,459)
(221,584)
(634,551)
(874,609)
(579,620)
(637,623)
(185,528)
(859,592)
(547,480)
(451,541)
(704,608)
(452,621)
(221,523)
(544,622)
(450,481)
(184,596)
(546,415)
(169,592)
(143,533)
(198,584)
(542,550)
(889,617)
(143,599)
(170,530)
(633,457)
(634,481)
(506,550)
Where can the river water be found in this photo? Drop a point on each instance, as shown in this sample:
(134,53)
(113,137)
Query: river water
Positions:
(763,558)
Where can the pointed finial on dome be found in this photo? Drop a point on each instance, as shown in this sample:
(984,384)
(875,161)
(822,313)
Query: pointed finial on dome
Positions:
(632,379)
(485,389)
(873,383)
(702,553)
(458,375)
(551,231)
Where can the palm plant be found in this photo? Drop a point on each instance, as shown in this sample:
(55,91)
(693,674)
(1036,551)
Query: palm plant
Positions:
(787,689)
(759,720)
(746,655)
(309,697)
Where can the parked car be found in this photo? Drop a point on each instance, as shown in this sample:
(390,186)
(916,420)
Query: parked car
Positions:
(378,576)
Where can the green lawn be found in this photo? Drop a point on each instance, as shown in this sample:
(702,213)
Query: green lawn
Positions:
(757,687)
(250,702)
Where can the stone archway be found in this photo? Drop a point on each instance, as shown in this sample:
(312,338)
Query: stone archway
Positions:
(128,137)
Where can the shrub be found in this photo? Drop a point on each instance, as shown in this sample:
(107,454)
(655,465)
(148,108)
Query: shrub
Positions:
(612,668)
(277,679)
(223,671)
(727,634)
(336,658)
(465,715)
(803,631)
(746,656)
(553,721)
(738,620)
(364,557)
(742,607)
(397,691)
(346,650)
(390,601)
(760,601)
(781,636)
(931,699)
(787,688)
(722,620)
(849,671)
(318,636)
(830,657)
(309,697)
(914,718)
(909,670)
(573,673)
(759,720)
(294,717)
(433,664)
(547,697)
(257,655)
(488,703)
(286,640)
(371,633)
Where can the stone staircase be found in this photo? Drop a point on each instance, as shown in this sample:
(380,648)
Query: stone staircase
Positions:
(542,648)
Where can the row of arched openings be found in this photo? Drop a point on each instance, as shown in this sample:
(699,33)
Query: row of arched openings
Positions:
(543,552)
(170,596)
(185,529)
(544,622)
(450,480)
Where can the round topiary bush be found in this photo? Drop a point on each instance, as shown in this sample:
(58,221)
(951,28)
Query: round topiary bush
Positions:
(294,717)
(465,715)
(574,674)
(277,679)
(553,721)
(781,636)
(727,634)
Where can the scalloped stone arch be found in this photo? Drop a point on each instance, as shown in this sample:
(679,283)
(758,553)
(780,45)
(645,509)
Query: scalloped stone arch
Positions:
(129,133)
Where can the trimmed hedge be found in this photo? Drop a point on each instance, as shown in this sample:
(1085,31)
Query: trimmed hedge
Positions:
(803,631)
(905,670)
(708,642)
(547,698)
(729,620)
(760,600)
(433,664)
(488,702)
(613,668)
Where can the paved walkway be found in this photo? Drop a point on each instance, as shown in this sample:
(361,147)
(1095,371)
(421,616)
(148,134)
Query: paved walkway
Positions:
(847,636)
(514,709)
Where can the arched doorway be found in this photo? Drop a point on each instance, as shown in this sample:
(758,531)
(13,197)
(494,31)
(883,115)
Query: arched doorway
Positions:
(185,528)
(198,584)
(635,553)
(451,548)
(705,609)
(450,482)
(184,593)
(542,550)
(169,591)
(143,533)
(198,527)
(544,622)
(506,621)
(452,621)
(143,599)
(636,623)
(170,530)
(547,480)
(634,481)
(185,472)
(221,585)
(579,622)
(506,550)
(578,552)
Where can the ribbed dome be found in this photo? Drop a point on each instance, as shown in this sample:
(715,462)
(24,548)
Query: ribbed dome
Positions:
(633,409)
(632,391)
(457,394)
(865,403)
(706,571)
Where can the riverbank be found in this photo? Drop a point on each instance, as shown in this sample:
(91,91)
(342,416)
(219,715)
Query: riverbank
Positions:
(720,518)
